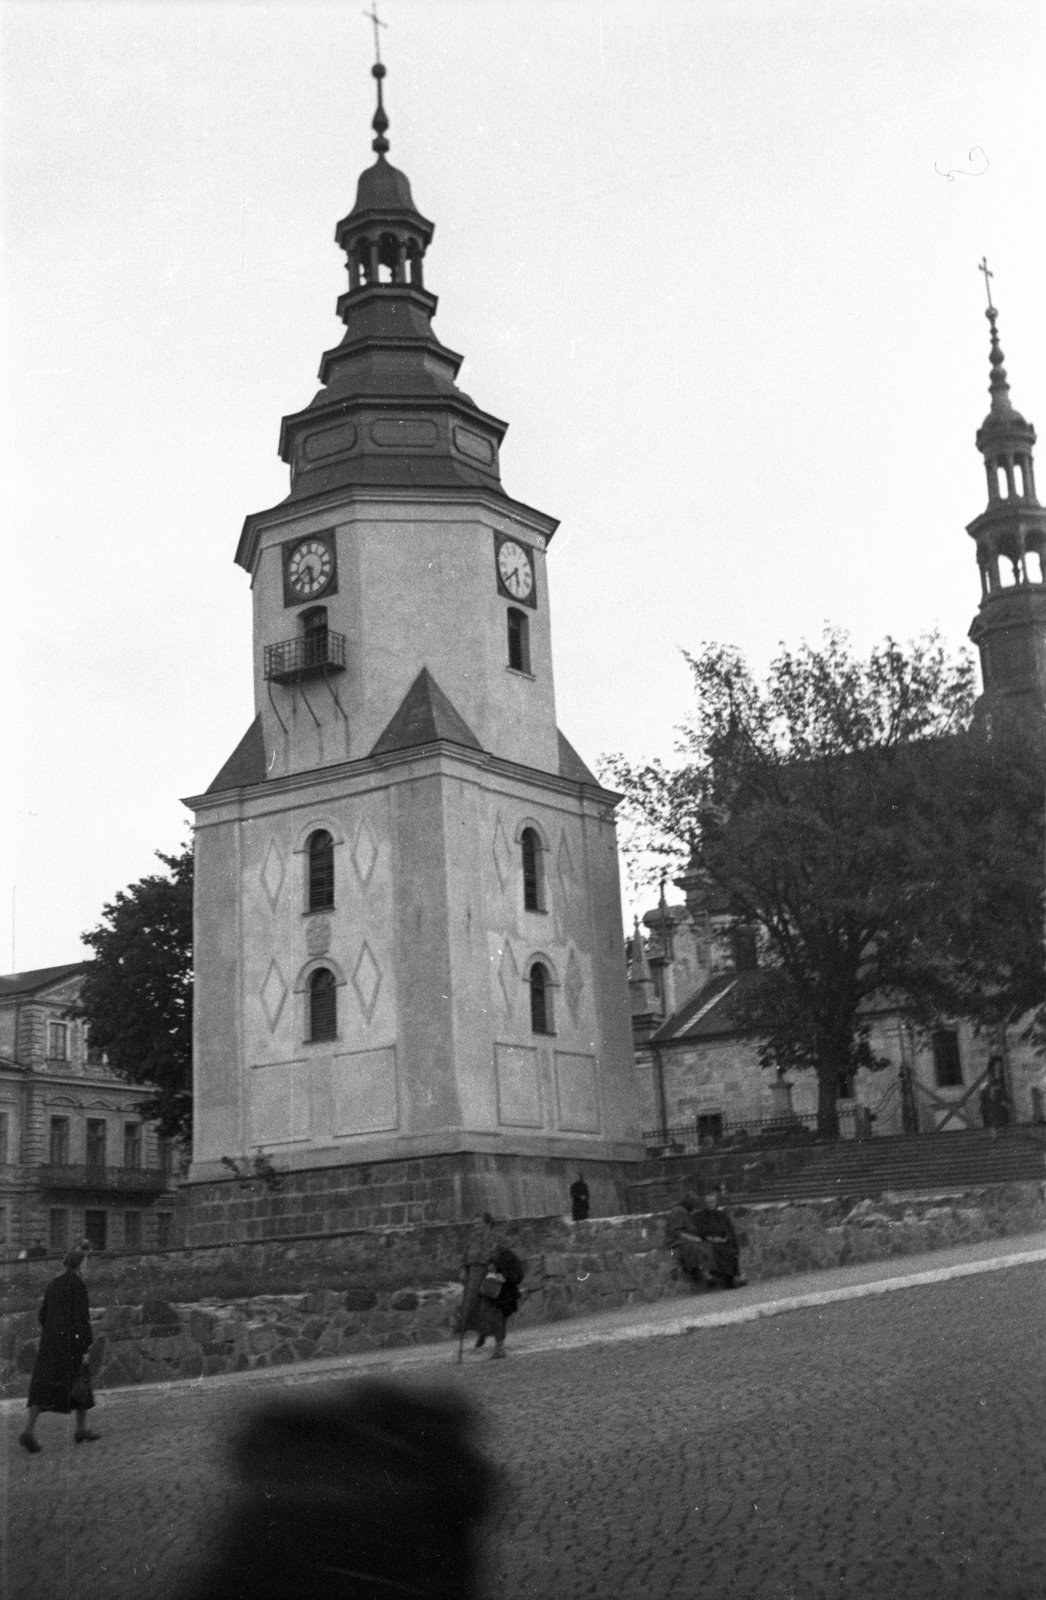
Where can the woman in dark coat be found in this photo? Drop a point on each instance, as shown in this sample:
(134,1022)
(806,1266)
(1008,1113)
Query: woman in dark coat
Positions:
(65,1319)
(480,1314)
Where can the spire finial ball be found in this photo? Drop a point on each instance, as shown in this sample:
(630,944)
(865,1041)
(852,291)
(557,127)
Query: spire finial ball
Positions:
(377,70)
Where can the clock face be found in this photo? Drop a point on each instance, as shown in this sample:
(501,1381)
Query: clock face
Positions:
(310,567)
(515,569)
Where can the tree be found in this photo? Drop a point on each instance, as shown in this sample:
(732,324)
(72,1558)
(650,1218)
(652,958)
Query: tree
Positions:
(137,993)
(869,829)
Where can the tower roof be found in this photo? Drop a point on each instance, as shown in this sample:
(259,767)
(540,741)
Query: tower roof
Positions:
(390,412)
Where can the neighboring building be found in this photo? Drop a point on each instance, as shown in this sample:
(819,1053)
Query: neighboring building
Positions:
(407,921)
(77,1159)
(695,1073)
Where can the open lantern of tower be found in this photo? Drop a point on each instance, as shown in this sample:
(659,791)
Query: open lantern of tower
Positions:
(408,922)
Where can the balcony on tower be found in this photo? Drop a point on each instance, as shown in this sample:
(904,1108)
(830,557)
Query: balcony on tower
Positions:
(312,653)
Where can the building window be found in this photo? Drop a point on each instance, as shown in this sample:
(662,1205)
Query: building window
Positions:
(323,1005)
(321,871)
(96,1141)
(844,1084)
(518,640)
(530,847)
(167,1156)
(947,1063)
(163,1230)
(132,1144)
(58,1041)
(59,1141)
(540,999)
(58,1232)
(95,1229)
(132,1230)
(709,1128)
(3,1224)
(5,1134)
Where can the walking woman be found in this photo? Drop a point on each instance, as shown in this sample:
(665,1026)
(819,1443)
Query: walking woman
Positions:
(60,1380)
(492,1274)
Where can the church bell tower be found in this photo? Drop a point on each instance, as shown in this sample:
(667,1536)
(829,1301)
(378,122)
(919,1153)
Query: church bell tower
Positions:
(411,997)
(1009,629)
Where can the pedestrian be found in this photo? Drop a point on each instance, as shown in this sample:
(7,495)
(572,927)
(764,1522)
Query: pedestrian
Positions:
(492,1274)
(712,1224)
(692,1252)
(61,1380)
(579,1199)
(365,1493)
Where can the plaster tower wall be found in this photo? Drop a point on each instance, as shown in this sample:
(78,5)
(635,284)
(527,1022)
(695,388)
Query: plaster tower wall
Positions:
(405,718)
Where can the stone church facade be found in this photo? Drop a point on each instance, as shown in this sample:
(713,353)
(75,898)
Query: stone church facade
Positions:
(407,923)
(699,1080)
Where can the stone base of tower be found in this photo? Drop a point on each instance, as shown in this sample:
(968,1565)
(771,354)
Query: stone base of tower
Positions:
(450,1187)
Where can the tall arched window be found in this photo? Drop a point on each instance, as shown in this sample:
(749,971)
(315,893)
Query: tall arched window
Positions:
(323,1005)
(321,871)
(518,640)
(540,999)
(530,848)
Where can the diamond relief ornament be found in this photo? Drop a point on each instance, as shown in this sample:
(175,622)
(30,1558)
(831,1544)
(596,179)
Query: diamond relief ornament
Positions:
(318,936)
(364,852)
(573,984)
(273,994)
(502,852)
(366,980)
(272,873)
(564,864)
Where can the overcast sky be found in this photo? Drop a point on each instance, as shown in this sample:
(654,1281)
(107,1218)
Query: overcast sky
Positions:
(716,265)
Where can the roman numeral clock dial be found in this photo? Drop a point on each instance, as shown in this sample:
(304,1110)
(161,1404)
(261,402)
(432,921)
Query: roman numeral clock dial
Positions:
(515,570)
(309,569)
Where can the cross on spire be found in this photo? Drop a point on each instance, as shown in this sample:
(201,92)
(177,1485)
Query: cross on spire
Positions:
(372,16)
(988,274)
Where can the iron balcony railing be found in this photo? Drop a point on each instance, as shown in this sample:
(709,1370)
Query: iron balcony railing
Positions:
(120,1180)
(689,1138)
(306,655)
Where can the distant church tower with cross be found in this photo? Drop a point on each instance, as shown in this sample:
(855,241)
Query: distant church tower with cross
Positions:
(1009,629)
(411,996)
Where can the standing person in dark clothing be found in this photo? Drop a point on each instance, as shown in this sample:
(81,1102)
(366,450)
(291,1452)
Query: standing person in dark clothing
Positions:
(492,1274)
(60,1381)
(579,1199)
(711,1223)
(370,1493)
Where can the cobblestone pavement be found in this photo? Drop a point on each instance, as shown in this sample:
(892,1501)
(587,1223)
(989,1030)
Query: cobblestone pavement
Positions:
(887,1447)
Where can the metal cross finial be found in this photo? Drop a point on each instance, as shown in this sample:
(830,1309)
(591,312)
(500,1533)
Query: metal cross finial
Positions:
(372,16)
(987,274)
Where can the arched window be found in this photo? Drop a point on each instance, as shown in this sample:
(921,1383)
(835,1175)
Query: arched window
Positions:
(518,640)
(530,847)
(540,999)
(314,629)
(323,1005)
(321,871)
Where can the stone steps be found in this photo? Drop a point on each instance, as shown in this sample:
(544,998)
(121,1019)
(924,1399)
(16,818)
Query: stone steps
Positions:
(926,1162)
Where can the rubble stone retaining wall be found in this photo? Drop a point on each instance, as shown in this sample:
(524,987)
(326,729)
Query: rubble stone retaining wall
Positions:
(574,1269)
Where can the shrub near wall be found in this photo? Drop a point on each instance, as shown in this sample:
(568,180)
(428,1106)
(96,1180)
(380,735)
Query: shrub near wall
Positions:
(574,1269)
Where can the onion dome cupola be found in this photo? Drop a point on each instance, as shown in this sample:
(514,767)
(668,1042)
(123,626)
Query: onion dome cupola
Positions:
(389,413)
(1009,629)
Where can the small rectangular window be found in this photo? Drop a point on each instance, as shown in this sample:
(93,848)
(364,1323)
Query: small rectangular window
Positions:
(132,1144)
(164,1220)
(96,1141)
(132,1230)
(947,1062)
(58,1231)
(96,1229)
(518,640)
(58,1041)
(3,1224)
(5,1135)
(59,1151)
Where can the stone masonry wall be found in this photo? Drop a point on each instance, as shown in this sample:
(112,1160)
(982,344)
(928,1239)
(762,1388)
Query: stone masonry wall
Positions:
(574,1269)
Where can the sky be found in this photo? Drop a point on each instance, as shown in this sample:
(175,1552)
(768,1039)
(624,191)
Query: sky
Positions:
(716,265)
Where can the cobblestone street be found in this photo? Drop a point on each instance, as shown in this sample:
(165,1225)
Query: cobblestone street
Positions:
(891,1446)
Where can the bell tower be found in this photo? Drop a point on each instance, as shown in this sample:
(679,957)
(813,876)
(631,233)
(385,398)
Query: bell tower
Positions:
(410,991)
(1009,629)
